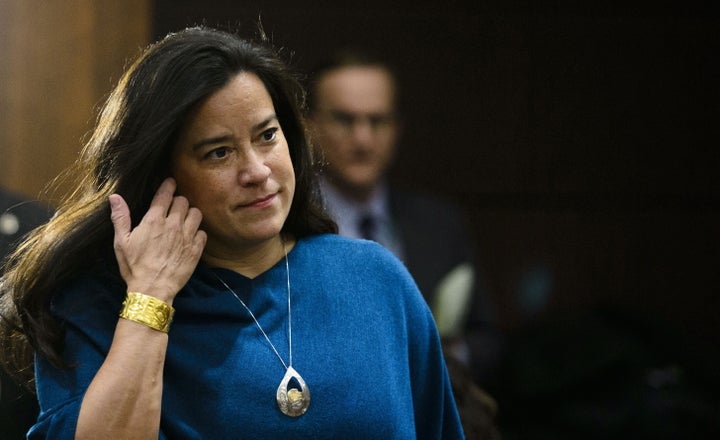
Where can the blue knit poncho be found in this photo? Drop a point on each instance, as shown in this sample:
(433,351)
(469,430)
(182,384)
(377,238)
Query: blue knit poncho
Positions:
(363,340)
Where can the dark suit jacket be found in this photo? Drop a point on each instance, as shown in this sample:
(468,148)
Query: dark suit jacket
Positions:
(434,235)
(436,239)
(18,407)
(28,215)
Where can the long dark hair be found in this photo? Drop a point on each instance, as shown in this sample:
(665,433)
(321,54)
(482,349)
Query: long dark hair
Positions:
(129,154)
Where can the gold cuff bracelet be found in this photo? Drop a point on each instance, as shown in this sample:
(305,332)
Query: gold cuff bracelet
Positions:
(147,310)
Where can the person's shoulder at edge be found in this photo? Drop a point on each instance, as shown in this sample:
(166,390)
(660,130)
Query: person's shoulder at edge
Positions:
(11,201)
(19,215)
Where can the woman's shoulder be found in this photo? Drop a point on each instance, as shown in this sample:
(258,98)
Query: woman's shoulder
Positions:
(334,255)
(332,246)
(374,275)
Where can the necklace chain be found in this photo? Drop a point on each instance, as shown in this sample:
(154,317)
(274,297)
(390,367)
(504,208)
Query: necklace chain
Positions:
(257,323)
(293,394)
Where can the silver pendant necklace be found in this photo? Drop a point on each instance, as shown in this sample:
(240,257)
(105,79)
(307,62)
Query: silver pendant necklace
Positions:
(292,402)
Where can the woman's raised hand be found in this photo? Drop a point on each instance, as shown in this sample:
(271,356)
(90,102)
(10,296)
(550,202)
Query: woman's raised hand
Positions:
(158,257)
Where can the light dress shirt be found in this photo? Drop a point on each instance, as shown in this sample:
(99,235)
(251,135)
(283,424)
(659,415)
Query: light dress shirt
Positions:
(348,214)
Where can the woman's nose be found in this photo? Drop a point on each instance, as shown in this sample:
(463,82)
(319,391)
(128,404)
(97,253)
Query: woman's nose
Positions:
(253,169)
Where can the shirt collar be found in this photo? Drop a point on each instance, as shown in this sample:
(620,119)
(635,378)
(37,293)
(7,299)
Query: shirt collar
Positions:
(346,211)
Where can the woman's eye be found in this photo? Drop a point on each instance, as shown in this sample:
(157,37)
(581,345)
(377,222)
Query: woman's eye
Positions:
(270,134)
(218,153)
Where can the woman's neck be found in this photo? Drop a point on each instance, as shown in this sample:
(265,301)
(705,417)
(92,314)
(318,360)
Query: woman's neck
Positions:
(250,260)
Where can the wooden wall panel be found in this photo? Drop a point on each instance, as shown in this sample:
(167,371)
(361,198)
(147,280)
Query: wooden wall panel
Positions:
(58,60)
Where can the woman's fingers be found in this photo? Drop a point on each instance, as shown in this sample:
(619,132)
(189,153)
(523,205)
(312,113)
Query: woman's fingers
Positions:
(193,221)
(178,210)
(119,215)
(163,199)
(162,251)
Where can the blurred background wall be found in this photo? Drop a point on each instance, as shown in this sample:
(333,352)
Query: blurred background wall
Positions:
(58,59)
(580,138)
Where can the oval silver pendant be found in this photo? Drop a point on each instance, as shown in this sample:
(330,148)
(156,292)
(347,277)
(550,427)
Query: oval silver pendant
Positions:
(293,402)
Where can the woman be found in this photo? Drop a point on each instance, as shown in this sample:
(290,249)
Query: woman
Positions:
(241,314)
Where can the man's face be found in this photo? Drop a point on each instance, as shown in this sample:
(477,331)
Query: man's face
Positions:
(354,123)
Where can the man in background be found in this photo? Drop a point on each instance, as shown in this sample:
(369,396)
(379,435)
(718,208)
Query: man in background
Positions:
(354,120)
(18,406)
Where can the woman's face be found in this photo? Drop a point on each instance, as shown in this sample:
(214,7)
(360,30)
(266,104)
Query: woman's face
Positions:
(233,163)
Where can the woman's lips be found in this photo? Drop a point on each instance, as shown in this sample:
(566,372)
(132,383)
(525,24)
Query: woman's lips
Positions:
(261,202)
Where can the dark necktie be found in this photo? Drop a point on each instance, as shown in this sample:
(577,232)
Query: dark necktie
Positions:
(367,227)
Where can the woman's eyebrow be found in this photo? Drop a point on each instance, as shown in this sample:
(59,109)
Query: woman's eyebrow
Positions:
(226,138)
(264,123)
(210,141)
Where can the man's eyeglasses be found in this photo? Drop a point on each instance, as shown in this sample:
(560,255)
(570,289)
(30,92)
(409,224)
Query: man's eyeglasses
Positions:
(347,121)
